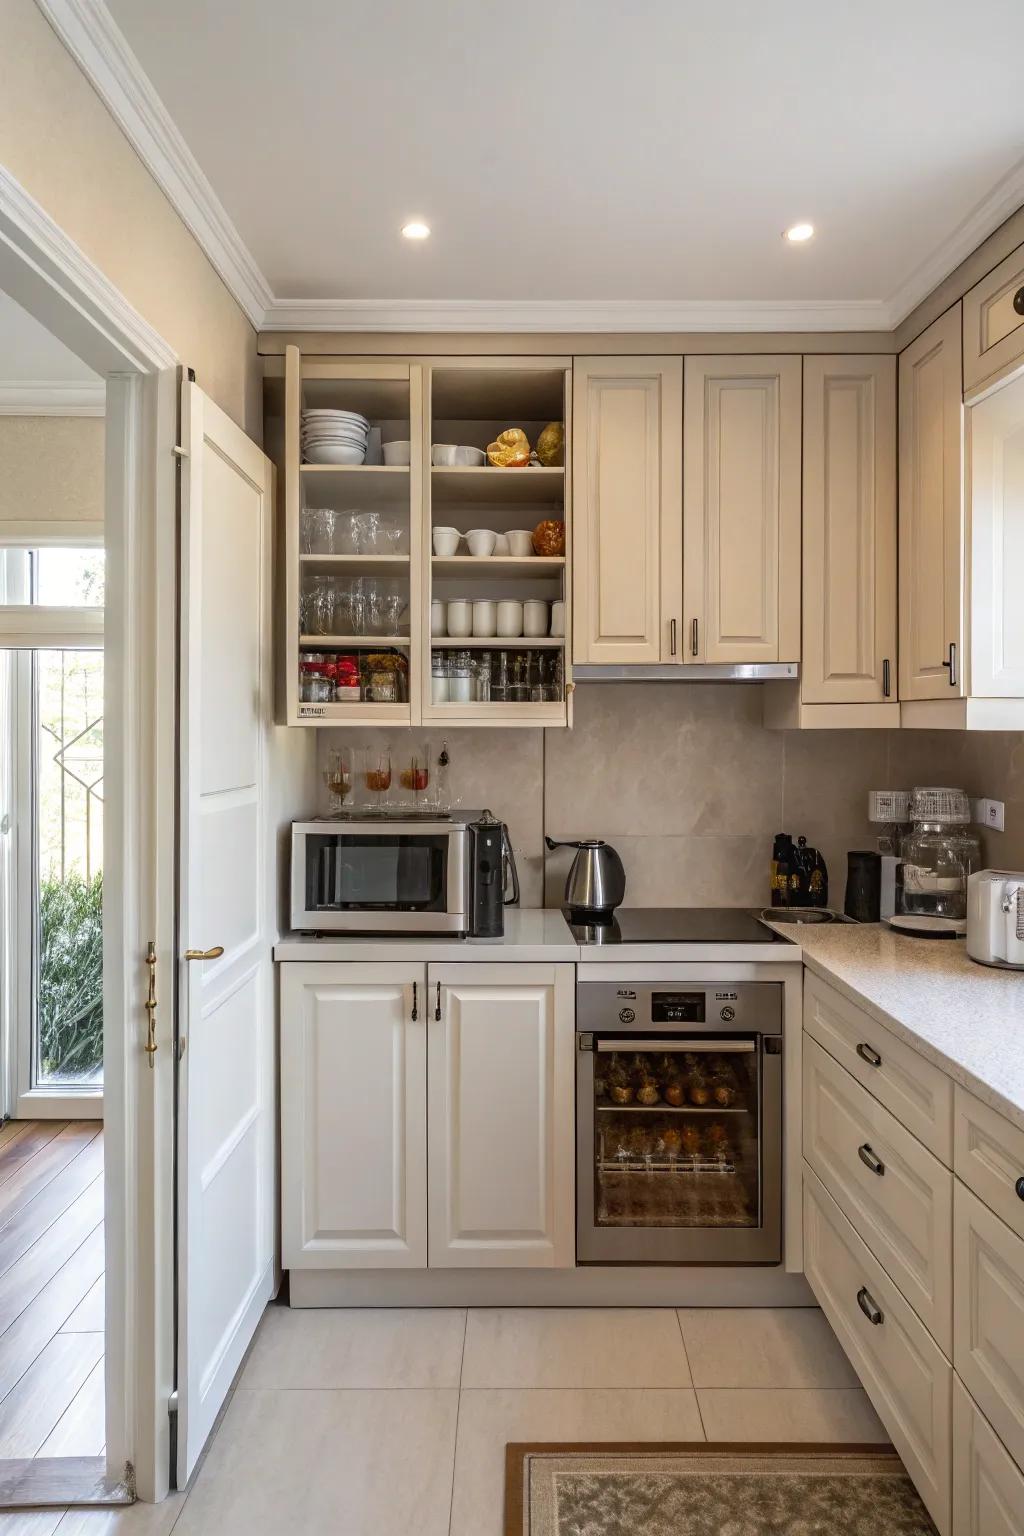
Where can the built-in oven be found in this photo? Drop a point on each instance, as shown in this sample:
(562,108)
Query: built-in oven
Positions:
(679,1123)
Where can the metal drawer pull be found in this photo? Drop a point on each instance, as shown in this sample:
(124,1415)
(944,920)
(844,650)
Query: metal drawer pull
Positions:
(676,1047)
(869,1306)
(950,665)
(871,1159)
(694,640)
(869,1054)
(415,1010)
(1019,1187)
(672,637)
(886,684)
(1018,302)
(437,1010)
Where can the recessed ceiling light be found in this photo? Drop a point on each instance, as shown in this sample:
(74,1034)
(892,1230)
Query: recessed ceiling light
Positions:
(415,230)
(796,234)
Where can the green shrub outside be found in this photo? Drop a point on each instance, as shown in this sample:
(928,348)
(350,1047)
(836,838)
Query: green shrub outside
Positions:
(70,998)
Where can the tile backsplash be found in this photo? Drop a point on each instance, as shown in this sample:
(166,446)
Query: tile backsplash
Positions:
(689,786)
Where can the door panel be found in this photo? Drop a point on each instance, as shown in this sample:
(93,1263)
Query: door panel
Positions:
(226,1107)
(931,512)
(849,527)
(988,1490)
(997,543)
(353,1117)
(627,501)
(741,509)
(988,1316)
(500,1116)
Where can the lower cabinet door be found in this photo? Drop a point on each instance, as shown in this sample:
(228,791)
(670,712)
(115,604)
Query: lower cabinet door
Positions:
(902,1369)
(988,1489)
(988,1316)
(353,1116)
(501,1118)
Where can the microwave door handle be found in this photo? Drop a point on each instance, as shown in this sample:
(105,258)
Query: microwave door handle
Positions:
(509,861)
(676,1047)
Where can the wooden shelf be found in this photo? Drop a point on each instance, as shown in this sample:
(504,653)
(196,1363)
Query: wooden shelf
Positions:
(369,565)
(540,487)
(356,487)
(499,643)
(353,642)
(501,565)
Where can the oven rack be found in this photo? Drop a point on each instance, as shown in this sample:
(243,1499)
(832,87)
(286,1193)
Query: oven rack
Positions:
(687,1165)
(671,1109)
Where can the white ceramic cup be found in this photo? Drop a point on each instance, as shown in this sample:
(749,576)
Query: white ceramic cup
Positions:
(469,457)
(510,618)
(481,541)
(460,618)
(438,617)
(442,455)
(397,452)
(485,618)
(520,542)
(558,618)
(446,541)
(536,618)
(501,544)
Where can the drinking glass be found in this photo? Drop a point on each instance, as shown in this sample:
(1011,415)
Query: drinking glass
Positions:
(368,531)
(357,605)
(374,608)
(317,530)
(338,776)
(344,533)
(319,617)
(376,774)
(392,604)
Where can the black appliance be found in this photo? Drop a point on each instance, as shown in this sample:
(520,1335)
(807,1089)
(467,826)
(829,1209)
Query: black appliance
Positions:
(491,865)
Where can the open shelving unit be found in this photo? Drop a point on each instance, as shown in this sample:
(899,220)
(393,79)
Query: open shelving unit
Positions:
(467,401)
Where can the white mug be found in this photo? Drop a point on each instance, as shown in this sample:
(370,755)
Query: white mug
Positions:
(558,618)
(446,541)
(510,618)
(501,544)
(535,618)
(520,542)
(481,541)
(485,618)
(438,617)
(460,618)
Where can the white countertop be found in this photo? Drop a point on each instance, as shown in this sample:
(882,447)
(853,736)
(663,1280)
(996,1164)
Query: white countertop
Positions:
(965,1017)
(531,933)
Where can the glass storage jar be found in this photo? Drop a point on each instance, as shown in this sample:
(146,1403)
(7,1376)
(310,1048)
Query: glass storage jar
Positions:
(939,853)
(461,681)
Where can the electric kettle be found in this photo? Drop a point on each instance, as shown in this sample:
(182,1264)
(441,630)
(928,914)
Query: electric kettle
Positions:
(995,918)
(596,883)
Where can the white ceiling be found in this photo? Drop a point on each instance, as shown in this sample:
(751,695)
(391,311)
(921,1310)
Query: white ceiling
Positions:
(597,150)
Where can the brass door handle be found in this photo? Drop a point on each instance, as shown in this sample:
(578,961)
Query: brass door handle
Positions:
(205,954)
(150,1004)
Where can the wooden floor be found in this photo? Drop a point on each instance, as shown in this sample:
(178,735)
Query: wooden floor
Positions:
(51,1288)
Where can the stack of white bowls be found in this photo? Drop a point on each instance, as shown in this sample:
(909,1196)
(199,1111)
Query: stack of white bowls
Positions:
(334,437)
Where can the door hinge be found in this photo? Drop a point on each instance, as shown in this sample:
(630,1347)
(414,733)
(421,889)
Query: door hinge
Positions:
(172,1402)
(150,1003)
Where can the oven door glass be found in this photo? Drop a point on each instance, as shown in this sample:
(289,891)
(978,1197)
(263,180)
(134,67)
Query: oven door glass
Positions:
(677,1133)
(377,872)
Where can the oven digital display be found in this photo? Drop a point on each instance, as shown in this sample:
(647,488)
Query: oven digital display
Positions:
(677,1008)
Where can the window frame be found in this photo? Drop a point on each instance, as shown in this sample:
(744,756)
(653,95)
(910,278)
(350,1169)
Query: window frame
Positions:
(24,629)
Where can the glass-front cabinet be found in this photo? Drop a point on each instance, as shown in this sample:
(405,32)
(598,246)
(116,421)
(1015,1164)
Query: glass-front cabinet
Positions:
(426,539)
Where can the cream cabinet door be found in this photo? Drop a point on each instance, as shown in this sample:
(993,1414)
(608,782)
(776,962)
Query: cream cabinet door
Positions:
(988,1316)
(988,1490)
(996,455)
(994,323)
(849,526)
(501,1116)
(353,1116)
(627,509)
(931,513)
(741,509)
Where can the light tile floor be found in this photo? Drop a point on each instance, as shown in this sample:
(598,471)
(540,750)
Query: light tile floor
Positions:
(384,1422)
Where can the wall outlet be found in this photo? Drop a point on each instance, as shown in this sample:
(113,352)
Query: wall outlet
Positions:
(989,813)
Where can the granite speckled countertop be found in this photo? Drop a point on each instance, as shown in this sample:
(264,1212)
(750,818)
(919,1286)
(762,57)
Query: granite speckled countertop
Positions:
(967,1018)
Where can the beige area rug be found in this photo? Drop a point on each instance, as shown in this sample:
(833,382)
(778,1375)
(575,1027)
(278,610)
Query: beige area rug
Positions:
(710,1490)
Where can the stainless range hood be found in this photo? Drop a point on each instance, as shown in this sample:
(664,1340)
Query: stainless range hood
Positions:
(696,672)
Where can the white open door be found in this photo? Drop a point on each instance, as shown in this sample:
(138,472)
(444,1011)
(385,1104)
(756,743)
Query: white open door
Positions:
(226,1094)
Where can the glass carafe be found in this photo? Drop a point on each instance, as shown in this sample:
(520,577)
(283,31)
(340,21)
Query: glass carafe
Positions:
(939,853)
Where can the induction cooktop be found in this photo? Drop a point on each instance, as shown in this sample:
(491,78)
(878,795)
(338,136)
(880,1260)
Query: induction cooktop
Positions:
(676,925)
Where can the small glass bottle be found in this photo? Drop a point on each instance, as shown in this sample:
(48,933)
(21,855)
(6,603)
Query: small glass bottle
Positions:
(460,678)
(439,678)
(483,677)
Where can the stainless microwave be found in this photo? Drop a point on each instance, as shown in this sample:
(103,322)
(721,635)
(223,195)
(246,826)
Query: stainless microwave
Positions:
(353,874)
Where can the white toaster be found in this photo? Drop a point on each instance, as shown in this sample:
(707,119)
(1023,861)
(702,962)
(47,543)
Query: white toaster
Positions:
(995,917)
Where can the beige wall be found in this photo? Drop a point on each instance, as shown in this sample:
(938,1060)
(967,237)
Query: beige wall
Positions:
(59,141)
(51,469)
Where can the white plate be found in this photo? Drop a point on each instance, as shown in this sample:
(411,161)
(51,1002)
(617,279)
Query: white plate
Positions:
(329,453)
(924,927)
(331,415)
(334,437)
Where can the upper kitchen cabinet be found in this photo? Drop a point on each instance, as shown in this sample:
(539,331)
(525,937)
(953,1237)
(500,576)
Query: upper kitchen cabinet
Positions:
(994,325)
(741,510)
(627,474)
(931,514)
(848,671)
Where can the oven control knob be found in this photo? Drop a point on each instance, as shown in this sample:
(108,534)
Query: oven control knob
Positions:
(626,1016)
(727,1015)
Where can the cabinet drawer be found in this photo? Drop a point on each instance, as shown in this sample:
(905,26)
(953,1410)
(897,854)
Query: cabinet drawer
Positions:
(900,1366)
(993,327)
(915,1091)
(897,1195)
(988,1490)
(988,1316)
(988,1154)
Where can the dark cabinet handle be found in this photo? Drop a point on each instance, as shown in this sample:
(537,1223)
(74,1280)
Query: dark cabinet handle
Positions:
(1019,1187)
(415,1010)
(950,665)
(869,1306)
(437,1010)
(886,684)
(869,1054)
(672,637)
(1018,301)
(871,1159)
(694,638)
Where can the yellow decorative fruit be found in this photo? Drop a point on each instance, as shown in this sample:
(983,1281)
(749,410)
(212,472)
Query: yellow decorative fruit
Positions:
(551,444)
(510,450)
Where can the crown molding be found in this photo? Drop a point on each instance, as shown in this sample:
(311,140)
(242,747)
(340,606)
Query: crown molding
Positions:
(1004,199)
(97,44)
(54,399)
(555,315)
